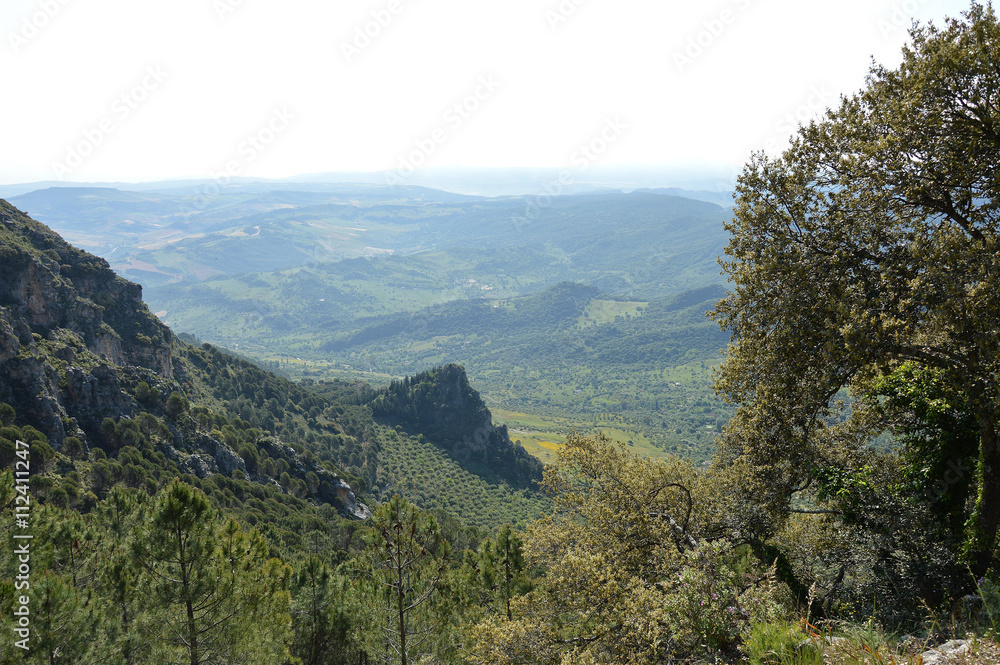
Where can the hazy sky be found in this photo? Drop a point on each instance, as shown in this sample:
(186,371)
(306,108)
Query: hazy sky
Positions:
(140,90)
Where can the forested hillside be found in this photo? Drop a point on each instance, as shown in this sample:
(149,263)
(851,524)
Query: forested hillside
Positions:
(120,428)
(85,361)
(360,281)
(165,501)
(441,406)
(641,365)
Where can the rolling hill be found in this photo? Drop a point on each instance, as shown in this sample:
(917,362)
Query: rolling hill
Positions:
(109,395)
(585,309)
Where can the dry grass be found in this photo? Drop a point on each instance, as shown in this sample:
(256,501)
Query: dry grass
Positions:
(981,651)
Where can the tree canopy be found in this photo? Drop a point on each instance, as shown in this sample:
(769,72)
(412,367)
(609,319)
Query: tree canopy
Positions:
(870,243)
(638,568)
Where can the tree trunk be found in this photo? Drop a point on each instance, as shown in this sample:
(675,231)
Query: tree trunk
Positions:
(188,602)
(402,622)
(986,520)
(127,647)
(192,634)
(507,577)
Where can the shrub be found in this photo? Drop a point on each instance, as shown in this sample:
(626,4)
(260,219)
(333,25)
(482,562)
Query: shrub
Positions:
(781,643)
(7,414)
(73,447)
(176,404)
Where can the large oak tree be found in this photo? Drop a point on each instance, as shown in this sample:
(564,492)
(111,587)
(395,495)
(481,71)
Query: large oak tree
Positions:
(872,242)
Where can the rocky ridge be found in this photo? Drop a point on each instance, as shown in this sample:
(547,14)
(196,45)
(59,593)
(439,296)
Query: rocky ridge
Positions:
(77,345)
(442,406)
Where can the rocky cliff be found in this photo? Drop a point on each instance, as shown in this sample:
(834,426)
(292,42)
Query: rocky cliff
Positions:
(68,324)
(81,356)
(442,406)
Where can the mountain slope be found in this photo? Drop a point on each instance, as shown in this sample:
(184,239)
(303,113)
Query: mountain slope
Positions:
(92,375)
(441,405)
(570,352)
(57,302)
(438,279)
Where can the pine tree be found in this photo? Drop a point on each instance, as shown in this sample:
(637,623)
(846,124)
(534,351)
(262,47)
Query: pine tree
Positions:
(64,622)
(495,571)
(217,596)
(406,562)
(321,616)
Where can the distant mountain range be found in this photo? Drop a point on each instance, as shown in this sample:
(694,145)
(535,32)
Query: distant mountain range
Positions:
(109,395)
(563,305)
(714,184)
(649,241)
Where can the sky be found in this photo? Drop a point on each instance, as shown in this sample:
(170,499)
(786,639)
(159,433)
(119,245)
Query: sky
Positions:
(140,90)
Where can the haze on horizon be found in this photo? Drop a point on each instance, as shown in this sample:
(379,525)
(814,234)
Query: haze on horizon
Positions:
(112,90)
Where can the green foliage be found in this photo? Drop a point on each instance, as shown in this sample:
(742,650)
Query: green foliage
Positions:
(405,562)
(434,480)
(324,616)
(115,585)
(867,643)
(72,447)
(499,570)
(41,452)
(220,597)
(863,263)
(782,643)
(64,621)
(637,569)
(939,435)
(442,406)
(330,423)
(176,404)
(987,617)
(146,395)
(906,510)
(7,414)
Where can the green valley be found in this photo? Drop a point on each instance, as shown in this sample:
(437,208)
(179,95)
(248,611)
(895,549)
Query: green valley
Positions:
(588,311)
(555,416)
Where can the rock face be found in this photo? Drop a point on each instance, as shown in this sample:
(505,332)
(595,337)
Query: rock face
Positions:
(78,346)
(67,323)
(332,490)
(355,508)
(443,407)
(48,284)
(457,416)
(91,396)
